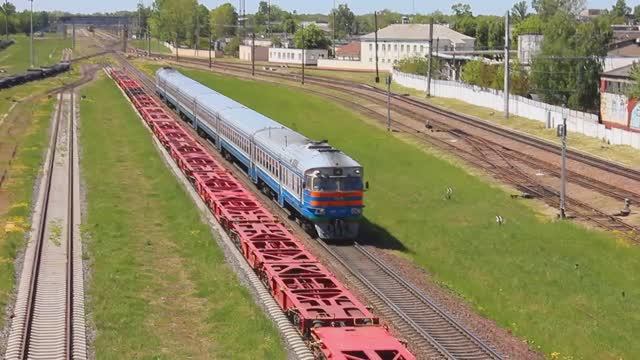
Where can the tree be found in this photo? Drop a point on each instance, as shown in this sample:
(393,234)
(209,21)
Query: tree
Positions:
(566,72)
(634,89)
(223,20)
(345,21)
(232,47)
(620,9)
(548,8)
(519,11)
(173,20)
(420,66)
(636,12)
(496,35)
(313,36)
(460,9)
(289,24)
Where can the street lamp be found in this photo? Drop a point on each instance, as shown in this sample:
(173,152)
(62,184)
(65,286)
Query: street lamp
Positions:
(31,40)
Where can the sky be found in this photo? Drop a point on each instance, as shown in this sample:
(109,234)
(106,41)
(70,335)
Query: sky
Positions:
(302,6)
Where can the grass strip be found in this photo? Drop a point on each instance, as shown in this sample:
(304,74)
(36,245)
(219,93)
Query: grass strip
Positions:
(47,51)
(160,287)
(18,187)
(568,291)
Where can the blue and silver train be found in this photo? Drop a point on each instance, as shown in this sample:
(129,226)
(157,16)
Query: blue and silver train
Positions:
(319,185)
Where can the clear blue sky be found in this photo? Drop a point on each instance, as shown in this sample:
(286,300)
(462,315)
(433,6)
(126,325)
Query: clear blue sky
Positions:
(306,6)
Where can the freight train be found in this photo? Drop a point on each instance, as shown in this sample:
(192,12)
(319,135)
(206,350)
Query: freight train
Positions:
(319,185)
(34,74)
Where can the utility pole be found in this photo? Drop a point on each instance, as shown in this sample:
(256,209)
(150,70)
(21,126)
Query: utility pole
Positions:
(6,20)
(507,77)
(303,53)
(197,29)
(125,37)
(562,132)
(334,29)
(139,20)
(253,54)
(177,57)
(430,57)
(389,102)
(73,36)
(148,42)
(31,40)
(375,24)
(210,42)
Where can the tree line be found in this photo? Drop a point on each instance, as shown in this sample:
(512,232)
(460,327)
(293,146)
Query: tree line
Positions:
(15,22)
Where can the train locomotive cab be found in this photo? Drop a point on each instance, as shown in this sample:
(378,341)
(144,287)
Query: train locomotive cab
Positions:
(333,201)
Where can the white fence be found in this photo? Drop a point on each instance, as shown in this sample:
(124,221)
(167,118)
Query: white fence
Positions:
(578,122)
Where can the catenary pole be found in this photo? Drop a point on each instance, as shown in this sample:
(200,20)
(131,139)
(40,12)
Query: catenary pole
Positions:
(303,53)
(31,38)
(73,36)
(375,24)
(253,54)
(6,20)
(334,28)
(430,57)
(389,102)
(507,77)
(210,41)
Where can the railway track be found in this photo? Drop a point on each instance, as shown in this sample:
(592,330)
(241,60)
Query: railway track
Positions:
(423,319)
(481,152)
(48,320)
(430,328)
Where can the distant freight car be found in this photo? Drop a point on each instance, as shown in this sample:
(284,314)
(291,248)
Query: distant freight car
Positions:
(315,182)
(34,74)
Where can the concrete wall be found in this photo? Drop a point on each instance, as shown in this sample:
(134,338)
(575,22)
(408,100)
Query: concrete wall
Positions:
(352,65)
(578,122)
(201,53)
(294,56)
(262,53)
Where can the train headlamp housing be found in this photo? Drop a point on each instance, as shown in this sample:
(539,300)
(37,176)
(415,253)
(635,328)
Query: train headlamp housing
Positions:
(319,211)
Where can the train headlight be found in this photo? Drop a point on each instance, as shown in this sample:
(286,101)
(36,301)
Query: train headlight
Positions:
(356,211)
(319,211)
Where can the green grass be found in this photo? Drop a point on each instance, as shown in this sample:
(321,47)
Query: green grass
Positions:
(18,187)
(559,286)
(47,51)
(156,46)
(160,286)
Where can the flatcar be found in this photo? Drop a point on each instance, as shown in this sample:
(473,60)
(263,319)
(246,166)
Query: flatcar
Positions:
(317,184)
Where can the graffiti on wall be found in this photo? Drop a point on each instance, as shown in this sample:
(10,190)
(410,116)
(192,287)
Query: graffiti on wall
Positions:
(635,116)
(613,108)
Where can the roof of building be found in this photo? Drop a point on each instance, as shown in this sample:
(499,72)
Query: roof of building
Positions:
(621,72)
(417,32)
(631,50)
(350,49)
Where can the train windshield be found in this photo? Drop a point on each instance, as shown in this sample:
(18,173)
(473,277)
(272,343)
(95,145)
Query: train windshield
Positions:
(349,183)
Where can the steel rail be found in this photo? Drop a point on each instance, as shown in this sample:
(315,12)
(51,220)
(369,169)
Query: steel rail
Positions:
(424,316)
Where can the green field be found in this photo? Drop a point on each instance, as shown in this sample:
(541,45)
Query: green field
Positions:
(156,46)
(47,51)
(564,289)
(160,287)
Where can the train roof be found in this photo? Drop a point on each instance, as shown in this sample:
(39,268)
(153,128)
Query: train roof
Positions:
(294,148)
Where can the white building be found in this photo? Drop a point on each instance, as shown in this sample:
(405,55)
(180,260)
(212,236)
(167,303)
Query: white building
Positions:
(399,41)
(294,56)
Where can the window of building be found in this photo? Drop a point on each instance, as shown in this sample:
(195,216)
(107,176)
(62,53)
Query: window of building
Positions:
(395,47)
(384,48)
(421,48)
(370,47)
(370,60)
(415,48)
(402,47)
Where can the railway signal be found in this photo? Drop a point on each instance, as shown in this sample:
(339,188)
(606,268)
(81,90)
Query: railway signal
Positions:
(562,133)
